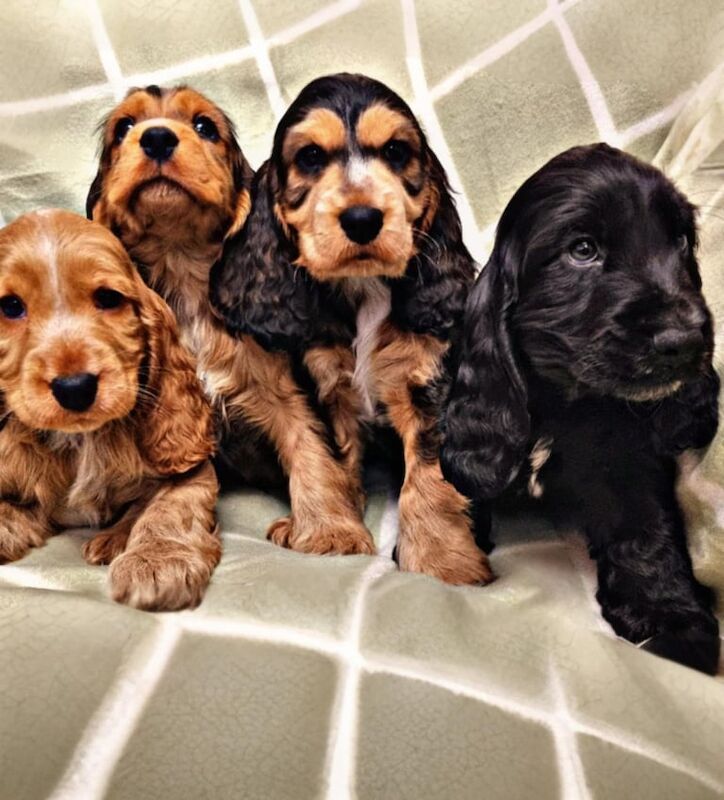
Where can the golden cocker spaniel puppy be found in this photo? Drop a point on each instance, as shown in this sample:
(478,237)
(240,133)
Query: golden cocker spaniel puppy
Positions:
(174,186)
(352,263)
(103,421)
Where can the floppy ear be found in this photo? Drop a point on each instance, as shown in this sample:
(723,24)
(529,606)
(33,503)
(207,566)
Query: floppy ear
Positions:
(242,176)
(175,430)
(430,297)
(255,285)
(486,425)
(96,189)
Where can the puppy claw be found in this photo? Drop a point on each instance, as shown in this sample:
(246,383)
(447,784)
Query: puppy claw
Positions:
(347,537)
(104,547)
(154,579)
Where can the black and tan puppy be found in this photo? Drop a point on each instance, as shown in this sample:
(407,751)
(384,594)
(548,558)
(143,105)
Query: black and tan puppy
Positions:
(173,185)
(352,263)
(585,368)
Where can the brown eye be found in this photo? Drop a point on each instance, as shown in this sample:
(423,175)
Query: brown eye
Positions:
(397,153)
(583,250)
(206,128)
(107,299)
(311,159)
(122,127)
(12,307)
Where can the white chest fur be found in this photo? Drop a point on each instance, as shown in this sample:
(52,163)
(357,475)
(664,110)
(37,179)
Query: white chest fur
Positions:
(372,299)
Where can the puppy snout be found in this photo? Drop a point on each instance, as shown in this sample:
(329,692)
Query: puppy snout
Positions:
(676,346)
(158,143)
(75,392)
(361,224)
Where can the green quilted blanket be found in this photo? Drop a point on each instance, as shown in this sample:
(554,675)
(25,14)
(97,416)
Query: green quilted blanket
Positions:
(303,677)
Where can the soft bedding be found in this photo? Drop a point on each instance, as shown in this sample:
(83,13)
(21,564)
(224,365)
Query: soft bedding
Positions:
(303,677)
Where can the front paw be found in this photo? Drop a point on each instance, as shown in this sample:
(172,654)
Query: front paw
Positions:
(163,577)
(18,535)
(458,562)
(693,648)
(340,537)
(104,547)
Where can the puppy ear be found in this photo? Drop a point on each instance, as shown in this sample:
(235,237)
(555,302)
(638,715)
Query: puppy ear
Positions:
(255,285)
(242,176)
(486,425)
(175,427)
(430,297)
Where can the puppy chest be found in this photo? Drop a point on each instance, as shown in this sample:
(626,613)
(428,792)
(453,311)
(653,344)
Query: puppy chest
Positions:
(373,303)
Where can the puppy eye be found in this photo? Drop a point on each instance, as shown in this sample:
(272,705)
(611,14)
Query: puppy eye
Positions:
(122,127)
(206,128)
(397,153)
(583,250)
(311,158)
(683,244)
(12,307)
(107,299)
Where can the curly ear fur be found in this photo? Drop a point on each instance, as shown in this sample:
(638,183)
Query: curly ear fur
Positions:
(259,291)
(486,425)
(430,297)
(175,424)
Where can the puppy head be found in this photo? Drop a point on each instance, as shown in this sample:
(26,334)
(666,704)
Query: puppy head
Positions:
(352,178)
(351,190)
(592,284)
(170,167)
(83,341)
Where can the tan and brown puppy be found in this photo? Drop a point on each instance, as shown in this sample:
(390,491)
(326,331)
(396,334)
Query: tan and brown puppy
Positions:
(352,263)
(174,185)
(103,421)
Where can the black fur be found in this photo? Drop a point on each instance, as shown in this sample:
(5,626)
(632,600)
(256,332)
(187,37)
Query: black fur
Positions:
(258,288)
(559,349)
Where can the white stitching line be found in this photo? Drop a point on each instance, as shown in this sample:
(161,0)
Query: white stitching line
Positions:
(261,53)
(183,69)
(105,737)
(589,85)
(426,110)
(570,766)
(325,15)
(494,52)
(105,50)
(341,755)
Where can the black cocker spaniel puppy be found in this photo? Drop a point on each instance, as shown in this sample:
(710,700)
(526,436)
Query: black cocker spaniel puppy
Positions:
(352,262)
(585,367)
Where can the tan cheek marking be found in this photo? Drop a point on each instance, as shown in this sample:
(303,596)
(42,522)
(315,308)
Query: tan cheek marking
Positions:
(321,127)
(378,124)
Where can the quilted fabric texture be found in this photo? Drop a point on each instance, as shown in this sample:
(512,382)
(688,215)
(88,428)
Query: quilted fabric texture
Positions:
(303,677)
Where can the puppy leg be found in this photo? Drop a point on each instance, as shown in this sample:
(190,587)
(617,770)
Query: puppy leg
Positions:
(325,506)
(21,528)
(647,589)
(111,541)
(332,369)
(436,529)
(173,546)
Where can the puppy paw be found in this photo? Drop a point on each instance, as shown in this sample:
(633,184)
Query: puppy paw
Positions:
(460,563)
(693,648)
(104,547)
(19,533)
(163,577)
(344,537)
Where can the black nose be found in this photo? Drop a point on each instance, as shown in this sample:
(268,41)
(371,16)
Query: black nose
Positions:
(159,143)
(75,392)
(676,346)
(361,223)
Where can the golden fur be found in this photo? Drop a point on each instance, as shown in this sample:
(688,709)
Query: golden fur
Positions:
(176,235)
(137,458)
